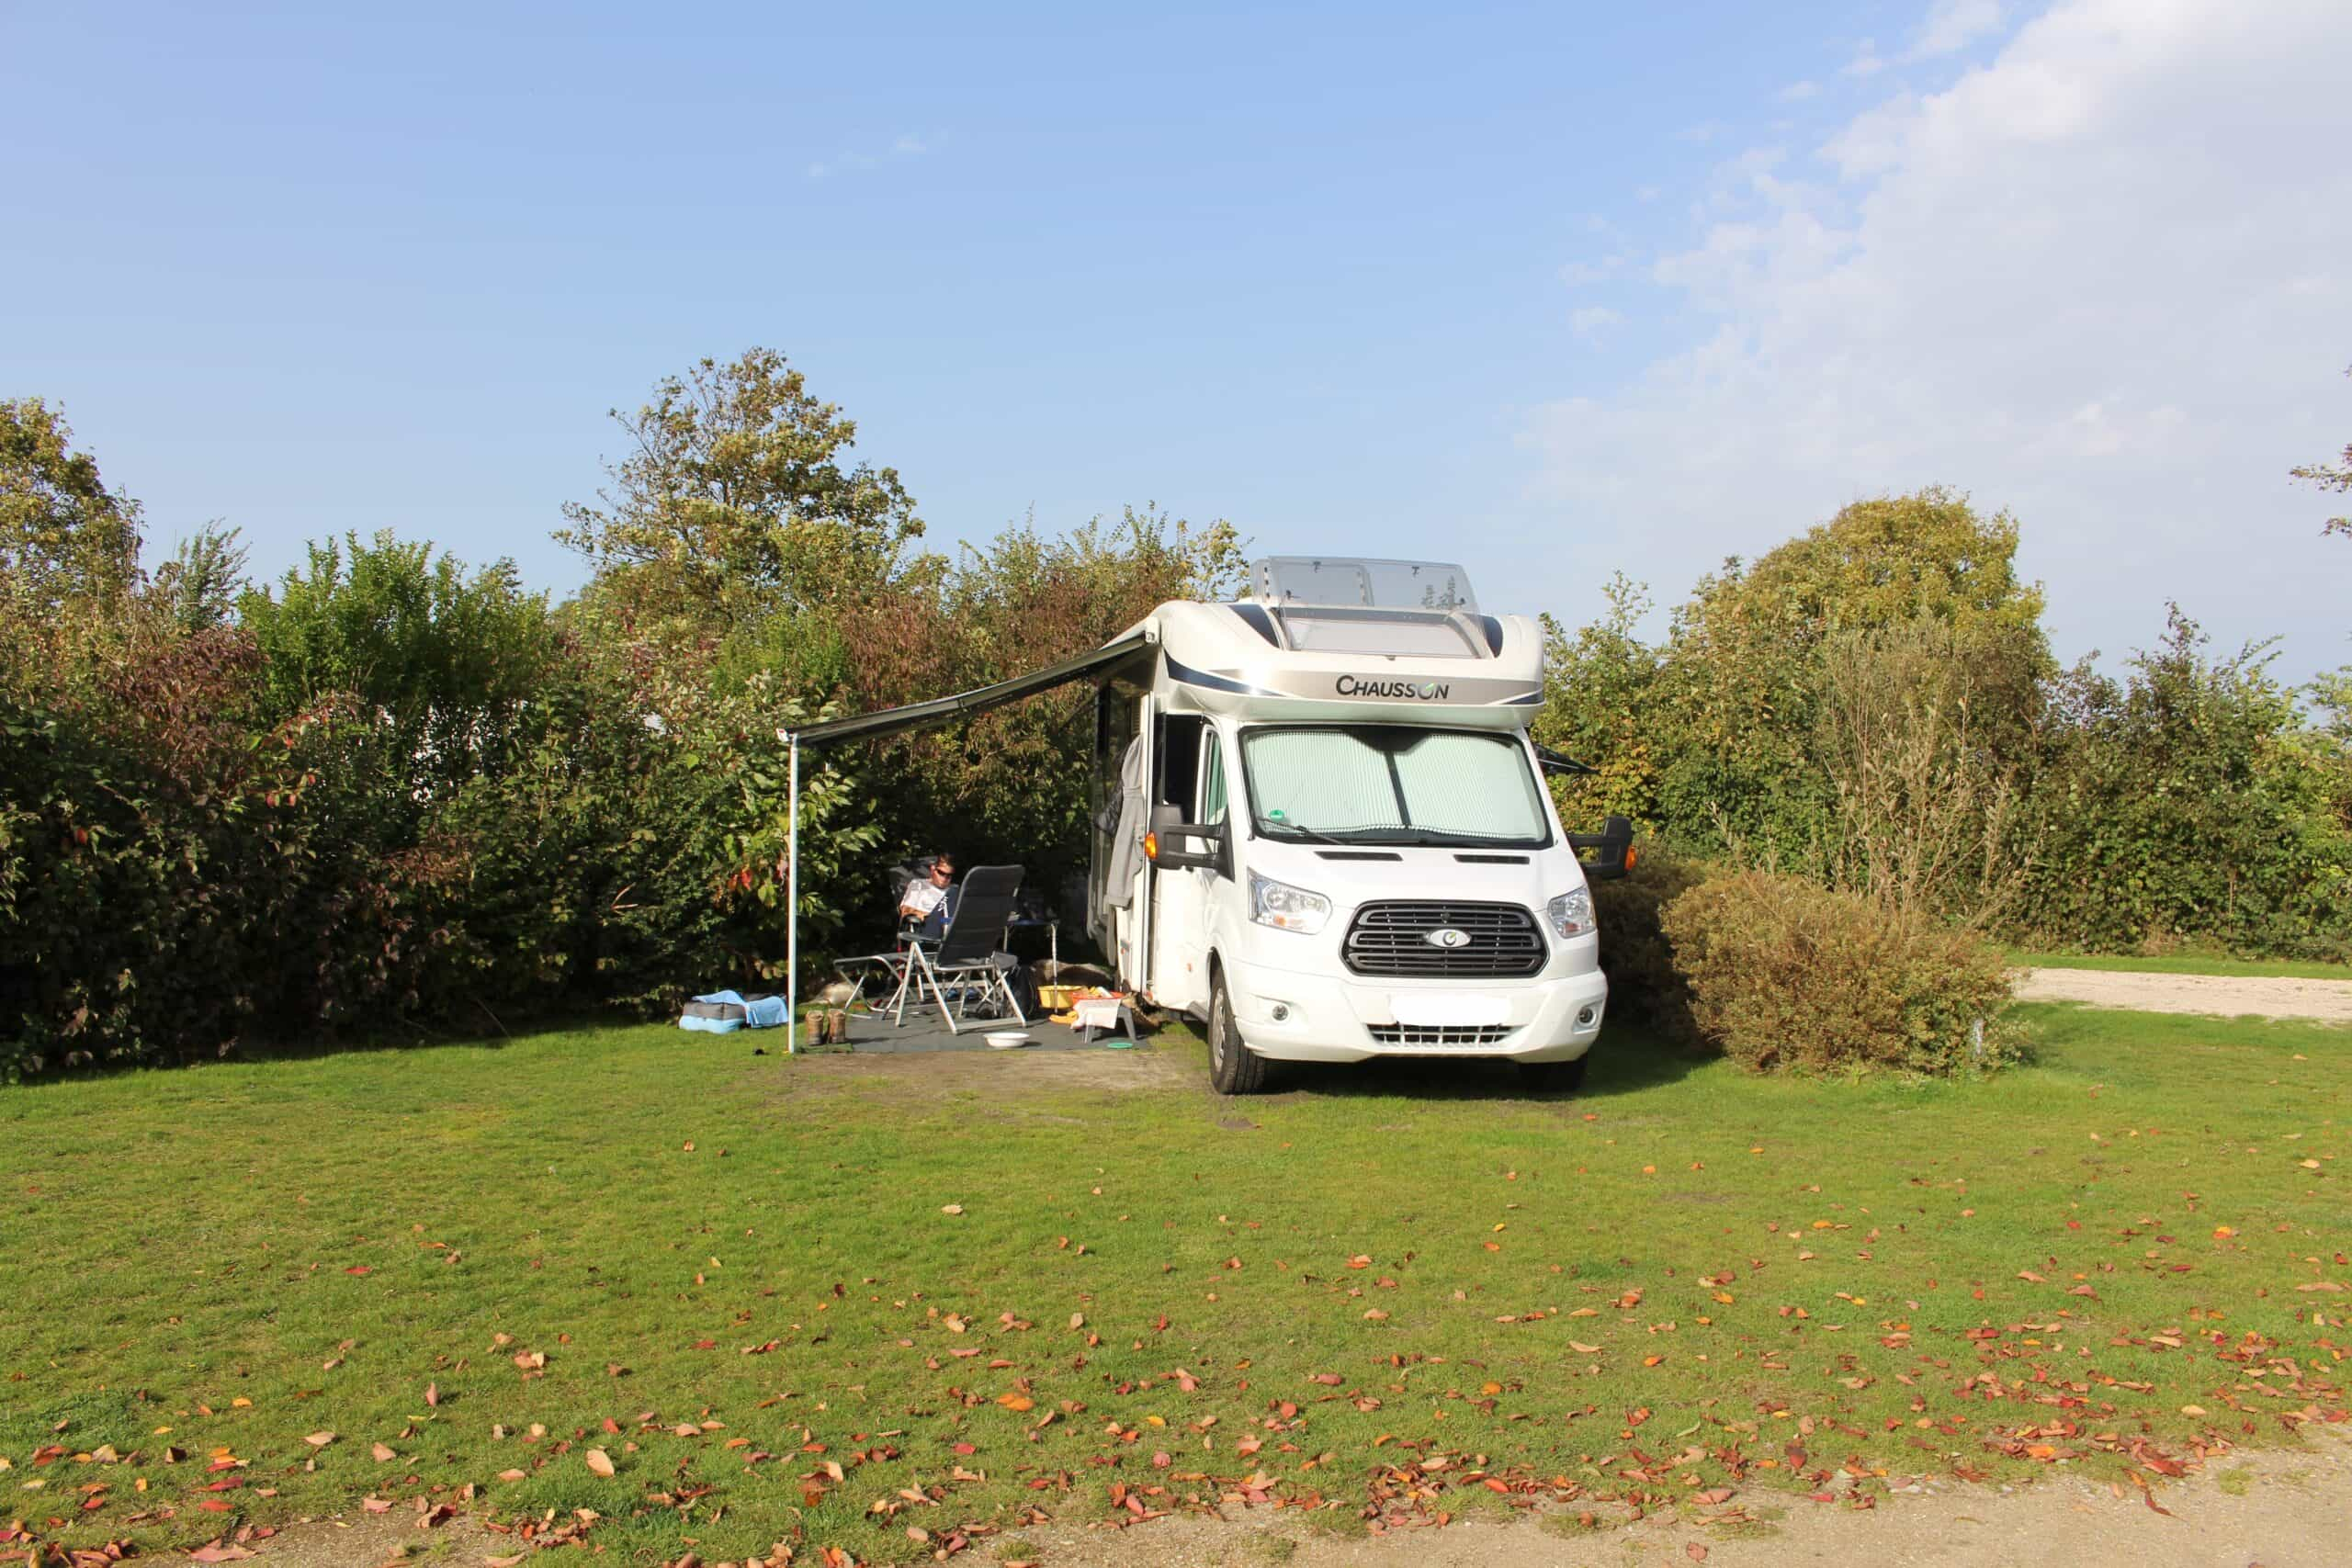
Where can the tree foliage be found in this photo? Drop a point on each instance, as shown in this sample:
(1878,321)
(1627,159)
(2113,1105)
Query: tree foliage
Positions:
(2333,477)
(735,500)
(64,534)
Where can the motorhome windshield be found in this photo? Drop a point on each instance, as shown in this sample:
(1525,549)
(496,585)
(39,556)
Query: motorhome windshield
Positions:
(1393,784)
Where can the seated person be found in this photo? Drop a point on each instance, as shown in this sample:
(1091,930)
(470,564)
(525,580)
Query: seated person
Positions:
(929,901)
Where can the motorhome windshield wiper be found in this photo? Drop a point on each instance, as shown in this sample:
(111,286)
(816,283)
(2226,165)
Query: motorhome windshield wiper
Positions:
(1288,830)
(1464,841)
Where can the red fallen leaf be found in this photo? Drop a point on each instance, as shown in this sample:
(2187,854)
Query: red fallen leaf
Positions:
(612,1427)
(212,1506)
(1331,1380)
(377,1505)
(1712,1495)
(965,1449)
(1161,1462)
(226,1484)
(219,1551)
(356,1268)
(432,1393)
(440,1513)
(705,1344)
(1694,1552)
(1496,1483)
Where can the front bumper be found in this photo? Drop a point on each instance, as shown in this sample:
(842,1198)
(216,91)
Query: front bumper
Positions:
(1346,1018)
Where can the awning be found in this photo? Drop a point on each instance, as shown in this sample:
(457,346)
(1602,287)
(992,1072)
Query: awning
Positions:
(966,705)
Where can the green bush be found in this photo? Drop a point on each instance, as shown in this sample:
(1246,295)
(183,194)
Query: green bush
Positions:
(1644,984)
(1786,975)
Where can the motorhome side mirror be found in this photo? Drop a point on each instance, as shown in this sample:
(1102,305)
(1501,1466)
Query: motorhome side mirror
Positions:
(1611,850)
(1191,845)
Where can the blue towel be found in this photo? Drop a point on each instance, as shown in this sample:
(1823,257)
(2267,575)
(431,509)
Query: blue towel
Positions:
(711,1025)
(759,1012)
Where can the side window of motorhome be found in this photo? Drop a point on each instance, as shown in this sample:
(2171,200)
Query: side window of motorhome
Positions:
(1211,779)
(1179,746)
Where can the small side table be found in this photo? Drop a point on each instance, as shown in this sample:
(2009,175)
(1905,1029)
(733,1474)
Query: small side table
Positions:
(1105,1013)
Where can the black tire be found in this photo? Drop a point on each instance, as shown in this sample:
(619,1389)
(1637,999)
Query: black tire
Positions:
(1234,1068)
(1550,1077)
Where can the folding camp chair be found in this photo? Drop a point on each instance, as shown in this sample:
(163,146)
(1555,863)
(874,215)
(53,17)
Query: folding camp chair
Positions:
(964,966)
(889,971)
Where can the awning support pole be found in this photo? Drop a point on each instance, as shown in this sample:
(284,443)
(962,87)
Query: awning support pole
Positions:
(792,902)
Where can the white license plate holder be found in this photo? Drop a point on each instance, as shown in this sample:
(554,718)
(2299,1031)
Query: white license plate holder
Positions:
(1449,1009)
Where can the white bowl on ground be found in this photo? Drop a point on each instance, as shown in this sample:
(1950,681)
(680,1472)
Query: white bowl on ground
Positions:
(1008,1039)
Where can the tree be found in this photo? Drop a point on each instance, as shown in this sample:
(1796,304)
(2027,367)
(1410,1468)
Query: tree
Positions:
(201,584)
(64,534)
(735,500)
(439,663)
(2335,477)
(1743,680)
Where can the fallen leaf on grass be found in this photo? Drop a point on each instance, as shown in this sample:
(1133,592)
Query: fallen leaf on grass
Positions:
(951,1208)
(1583,1349)
(600,1461)
(1016,1403)
(432,1393)
(219,1551)
(319,1440)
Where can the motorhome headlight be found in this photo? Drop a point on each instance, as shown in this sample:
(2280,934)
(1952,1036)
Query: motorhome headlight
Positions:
(1285,908)
(1571,913)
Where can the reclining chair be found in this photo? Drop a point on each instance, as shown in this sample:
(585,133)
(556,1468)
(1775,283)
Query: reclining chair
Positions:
(966,966)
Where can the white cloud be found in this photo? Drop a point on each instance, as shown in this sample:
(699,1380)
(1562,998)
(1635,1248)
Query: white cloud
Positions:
(2104,279)
(1867,60)
(1952,25)
(1797,92)
(909,145)
(1589,321)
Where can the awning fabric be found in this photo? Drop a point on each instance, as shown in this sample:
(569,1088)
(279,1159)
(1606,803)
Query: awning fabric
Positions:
(965,704)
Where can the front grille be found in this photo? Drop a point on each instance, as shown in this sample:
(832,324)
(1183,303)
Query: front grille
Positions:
(1390,938)
(1440,1036)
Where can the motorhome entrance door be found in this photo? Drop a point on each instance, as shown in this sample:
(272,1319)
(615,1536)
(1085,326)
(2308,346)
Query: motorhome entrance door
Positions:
(1192,789)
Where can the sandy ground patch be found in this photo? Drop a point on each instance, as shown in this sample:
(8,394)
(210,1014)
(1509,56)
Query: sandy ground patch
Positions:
(2278,1509)
(2223,996)
(1008,1076)
(2282,1508)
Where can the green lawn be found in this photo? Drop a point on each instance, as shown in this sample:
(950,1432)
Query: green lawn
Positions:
(1408,1285)
(2185,964)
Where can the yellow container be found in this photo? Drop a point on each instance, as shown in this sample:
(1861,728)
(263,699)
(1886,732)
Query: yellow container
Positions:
(1056,998)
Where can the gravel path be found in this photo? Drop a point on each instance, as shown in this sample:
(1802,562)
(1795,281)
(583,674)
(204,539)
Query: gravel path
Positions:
(2224,995)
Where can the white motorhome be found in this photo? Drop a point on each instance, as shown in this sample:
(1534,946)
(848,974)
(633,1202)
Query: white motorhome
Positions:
(1322,828)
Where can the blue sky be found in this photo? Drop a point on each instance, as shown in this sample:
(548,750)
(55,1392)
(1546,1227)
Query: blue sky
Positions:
(1553,290)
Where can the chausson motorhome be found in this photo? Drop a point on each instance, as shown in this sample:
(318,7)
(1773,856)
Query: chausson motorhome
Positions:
(1322,829)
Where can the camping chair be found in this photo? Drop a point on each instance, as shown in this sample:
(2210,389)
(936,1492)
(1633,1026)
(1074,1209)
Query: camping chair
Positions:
(889,970)
(964,966)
